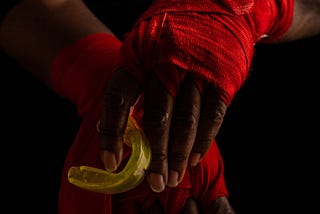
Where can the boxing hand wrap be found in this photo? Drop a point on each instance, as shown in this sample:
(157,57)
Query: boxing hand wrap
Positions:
(213,40)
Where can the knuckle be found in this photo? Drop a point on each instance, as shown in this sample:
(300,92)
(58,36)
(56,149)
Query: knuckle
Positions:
(202,145)
(221,108)
(157,120)
(178,161)
(186,120)
(215,116)
(109,143)
(179,157)
(158,162)
(108,127)
(115,133)
(159,157)
(113,100)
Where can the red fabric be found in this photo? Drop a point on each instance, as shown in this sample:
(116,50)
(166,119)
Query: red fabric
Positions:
(218,47)
(79,74)
(272,18)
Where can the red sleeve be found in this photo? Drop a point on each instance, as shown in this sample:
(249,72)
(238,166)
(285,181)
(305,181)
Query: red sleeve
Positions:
(81,70)
(272,18)
(79,73)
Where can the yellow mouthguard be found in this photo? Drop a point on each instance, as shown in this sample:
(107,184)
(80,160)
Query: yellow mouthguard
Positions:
(102,181)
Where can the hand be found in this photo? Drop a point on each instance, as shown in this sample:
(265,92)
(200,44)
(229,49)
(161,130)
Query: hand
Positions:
(186,78)
(180,129)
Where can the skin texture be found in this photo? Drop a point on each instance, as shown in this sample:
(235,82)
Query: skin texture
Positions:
(306,21)
(34,44)
(35,31)
(180,114)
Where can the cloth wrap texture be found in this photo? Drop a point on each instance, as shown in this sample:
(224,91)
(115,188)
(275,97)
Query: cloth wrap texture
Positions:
(211,40)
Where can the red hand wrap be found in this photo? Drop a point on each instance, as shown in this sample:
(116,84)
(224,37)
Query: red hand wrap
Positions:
(212,40)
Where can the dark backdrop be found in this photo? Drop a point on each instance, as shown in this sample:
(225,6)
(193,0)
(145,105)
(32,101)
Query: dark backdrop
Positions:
(268,139)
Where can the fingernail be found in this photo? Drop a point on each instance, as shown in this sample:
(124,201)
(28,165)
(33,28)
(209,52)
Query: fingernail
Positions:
(156,182)
(98,126)
(194,159)
(173,178)
(109,160)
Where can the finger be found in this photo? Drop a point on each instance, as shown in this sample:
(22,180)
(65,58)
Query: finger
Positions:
(120,94)
(212,113)
(157,116)
(183,129)
(220,206)
(155,208)
(190,207)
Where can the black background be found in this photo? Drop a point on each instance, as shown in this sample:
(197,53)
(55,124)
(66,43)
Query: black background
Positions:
(268,139)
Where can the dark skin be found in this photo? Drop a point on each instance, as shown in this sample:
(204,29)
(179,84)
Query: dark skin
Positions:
(27,40)
(194,121)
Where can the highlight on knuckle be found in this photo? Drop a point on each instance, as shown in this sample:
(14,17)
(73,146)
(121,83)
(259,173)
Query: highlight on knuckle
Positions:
(221,109)
(185,120)
(114,100)
(215,116)
(157,120)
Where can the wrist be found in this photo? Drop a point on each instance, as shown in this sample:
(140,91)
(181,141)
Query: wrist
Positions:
(91,57)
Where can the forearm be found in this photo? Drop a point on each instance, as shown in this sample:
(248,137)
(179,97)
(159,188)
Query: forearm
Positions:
(306,20)
(35,31)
